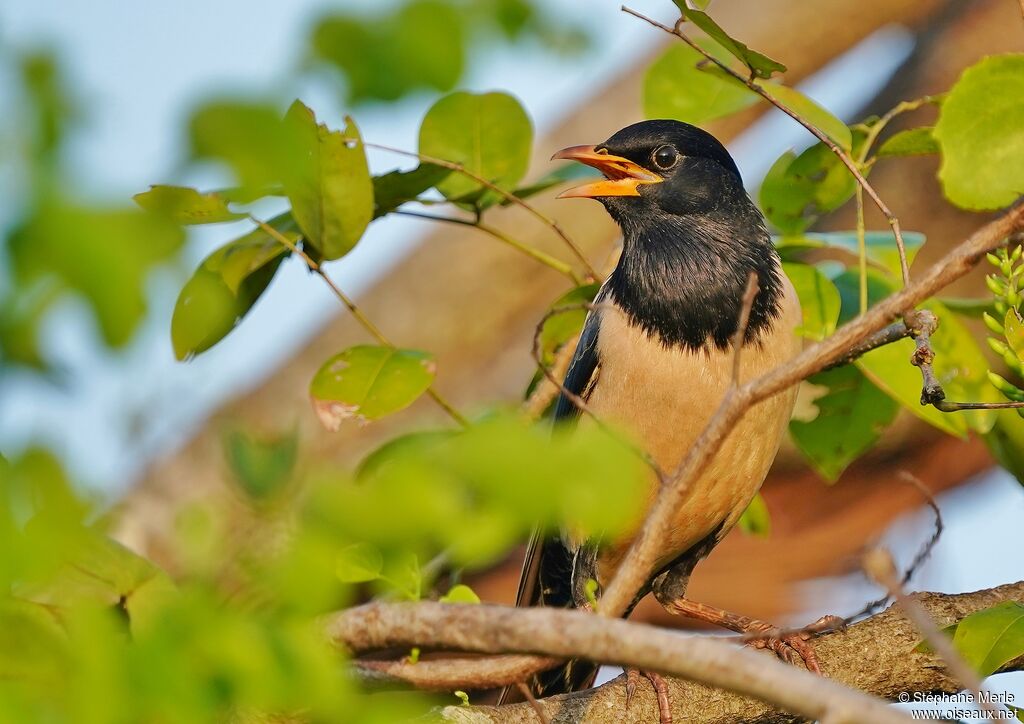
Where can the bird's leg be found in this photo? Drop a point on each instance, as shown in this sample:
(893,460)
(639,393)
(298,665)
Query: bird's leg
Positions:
(670,590)
(660,688)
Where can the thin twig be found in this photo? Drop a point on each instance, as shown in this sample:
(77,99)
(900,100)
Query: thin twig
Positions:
(352,307)
(507,195)
(879,565)
(536,254)
(740,336)
(893,333)
(843,156)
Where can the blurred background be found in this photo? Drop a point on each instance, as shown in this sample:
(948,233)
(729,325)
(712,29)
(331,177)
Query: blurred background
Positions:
(97,103)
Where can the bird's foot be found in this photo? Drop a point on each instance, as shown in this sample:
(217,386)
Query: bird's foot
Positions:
(660,688)
(794,646)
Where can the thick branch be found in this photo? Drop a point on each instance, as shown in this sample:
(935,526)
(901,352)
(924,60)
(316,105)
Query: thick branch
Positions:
(877,656)
(570,633)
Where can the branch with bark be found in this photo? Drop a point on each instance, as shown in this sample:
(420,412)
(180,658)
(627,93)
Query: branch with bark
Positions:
(717,681)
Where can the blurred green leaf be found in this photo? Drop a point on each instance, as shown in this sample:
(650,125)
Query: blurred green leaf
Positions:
(105,255)
(489,134)
(799,189)
(262,467)
(1006,442)
(366,383)
(396,447)
(185,205)
(419,45)
(760,65)
(460,593)
(989,638)
(880,246)
(331,191)
(226,286)
(756,519)
(970,307)
(358,563)
(912,142)
(981,133)
(251,138)
(819,300)
(810,111)
(51,105)
(393,189)
(675,87)
(21,314)
(851,416)
(562,327)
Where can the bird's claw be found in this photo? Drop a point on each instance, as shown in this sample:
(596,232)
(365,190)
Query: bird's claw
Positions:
(796,647)
(660,688)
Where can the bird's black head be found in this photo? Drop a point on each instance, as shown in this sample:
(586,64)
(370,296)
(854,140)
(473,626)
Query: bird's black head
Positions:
(692,236)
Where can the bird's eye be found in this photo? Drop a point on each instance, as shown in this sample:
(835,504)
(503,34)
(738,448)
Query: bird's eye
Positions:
(665,157)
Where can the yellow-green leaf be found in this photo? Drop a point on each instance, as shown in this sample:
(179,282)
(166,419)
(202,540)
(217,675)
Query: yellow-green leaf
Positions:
(675,87)
(367,382)
(186,205)
(756,520)
(989,638)
(759,64)
(810,111)
(819,300)
(358,563)
(912,142)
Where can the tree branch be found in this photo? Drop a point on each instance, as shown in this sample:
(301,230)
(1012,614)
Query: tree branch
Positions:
(877,656)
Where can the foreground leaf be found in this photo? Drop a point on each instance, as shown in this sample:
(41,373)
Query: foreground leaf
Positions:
(185,205)
(675,87)
(851,416)
(366,383)
(489,134)
(330,190)
(981,133)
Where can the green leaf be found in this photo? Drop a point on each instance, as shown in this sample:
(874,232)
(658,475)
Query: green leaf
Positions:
(185,205)
(393,189)
(797,190)
(990,638)
(756,520)
(489,134)
(880,246)
(250,137)
(675,87)
(760,65)
(562,327)
(912,142)
(331,190)
(460,593)
(810,111)
(819,300)
(262,467)
(226,286)
(105,255)
(981,133)
(367,383)
(1013,329)
(358,563)
(852,414)
(1006,442)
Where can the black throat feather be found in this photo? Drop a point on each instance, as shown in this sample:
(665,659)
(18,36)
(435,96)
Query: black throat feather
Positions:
(683,277)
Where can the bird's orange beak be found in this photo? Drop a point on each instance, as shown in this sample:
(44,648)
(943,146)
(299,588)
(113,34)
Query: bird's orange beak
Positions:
(622,176)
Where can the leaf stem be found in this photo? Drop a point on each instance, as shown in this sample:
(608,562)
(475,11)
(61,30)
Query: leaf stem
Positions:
(507,195)
(352,307)
(862,251)
(559,266)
